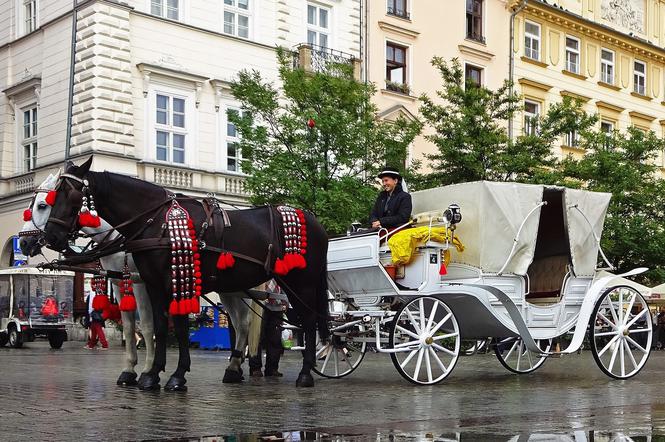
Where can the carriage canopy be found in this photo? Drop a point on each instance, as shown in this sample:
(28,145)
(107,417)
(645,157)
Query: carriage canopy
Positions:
(492,213)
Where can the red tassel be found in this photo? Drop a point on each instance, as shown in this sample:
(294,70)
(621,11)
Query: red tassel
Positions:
(195,305)
(280,268)
(100,302)
(27,215)
(86,219)
(442,269)
(230,260)
(106,314)
(183,307)
(300,262)
(173,308)
(114,312)
(50,197)
(128,303)
(221,262)
(95,221)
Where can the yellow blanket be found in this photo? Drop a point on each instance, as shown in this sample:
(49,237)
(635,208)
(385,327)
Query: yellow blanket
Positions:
(403,243)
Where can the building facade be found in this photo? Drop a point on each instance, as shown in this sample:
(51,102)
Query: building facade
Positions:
(148,85)
(609,54)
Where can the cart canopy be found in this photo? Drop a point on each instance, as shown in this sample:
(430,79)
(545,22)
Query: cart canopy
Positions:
(492,214)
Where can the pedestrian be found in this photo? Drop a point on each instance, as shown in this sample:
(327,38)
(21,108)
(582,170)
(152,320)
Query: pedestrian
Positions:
(96,331)
(265,332)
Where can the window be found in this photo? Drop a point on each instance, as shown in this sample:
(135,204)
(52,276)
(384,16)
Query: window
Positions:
(640,77)
(170,129)
(165,8)
(395,67)
(572,55)
(318,25)
(473,75)
(532,40)
(232,143)
(236,18)
(531,113)
(398,9)
(29,139)
(607,127)
(29,15)
(607,66)
(572,139)
(474,20)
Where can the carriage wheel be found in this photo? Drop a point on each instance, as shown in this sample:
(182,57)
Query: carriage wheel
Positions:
(516,357)
(428,328)
(341,355)
(620,332)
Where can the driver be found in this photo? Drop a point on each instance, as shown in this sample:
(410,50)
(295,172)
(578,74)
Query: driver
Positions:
(393,205)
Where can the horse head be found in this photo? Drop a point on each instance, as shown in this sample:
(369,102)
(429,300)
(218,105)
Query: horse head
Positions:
(62,222)
(35,218)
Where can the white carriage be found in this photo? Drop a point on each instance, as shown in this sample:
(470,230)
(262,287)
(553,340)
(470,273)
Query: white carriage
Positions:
(527,275)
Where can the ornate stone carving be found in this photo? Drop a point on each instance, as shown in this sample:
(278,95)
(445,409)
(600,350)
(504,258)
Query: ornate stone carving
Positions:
(628,14)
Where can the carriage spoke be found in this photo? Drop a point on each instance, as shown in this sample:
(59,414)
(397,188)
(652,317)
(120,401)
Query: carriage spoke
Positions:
(622,358)
(639,330)
(440,323)
(325,362)
(408,332)
(613,358)
(610,333)
(423,323)
(604,318)
(408,358)
(346,359)
(630,307)
(336,362)
(428,364)
(630,354)
(432,315)
(419,362)
(511,350)
(528,355)
(519,354)
(608,345)
(620,307)
(322,349)
(449,335)
(612,310)
(407,344)
(444,349)
(636,317)
(413,321)
(632,341)
(438,360)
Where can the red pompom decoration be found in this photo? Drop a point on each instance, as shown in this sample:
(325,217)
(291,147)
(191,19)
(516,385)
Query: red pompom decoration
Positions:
(100,302)
(195,305)
(50,197)
(128,303)
(27,215)
(173,308)
(230,260)
(280,268)
(183,307)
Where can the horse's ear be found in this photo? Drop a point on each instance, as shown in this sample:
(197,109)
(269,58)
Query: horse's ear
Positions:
(69,165)
(85,167)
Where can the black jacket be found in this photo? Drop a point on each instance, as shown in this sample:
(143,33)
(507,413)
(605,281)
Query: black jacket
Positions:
(396,212)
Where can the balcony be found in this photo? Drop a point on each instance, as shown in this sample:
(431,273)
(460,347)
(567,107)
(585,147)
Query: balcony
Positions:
(313,58)
(195,181)
(17,185)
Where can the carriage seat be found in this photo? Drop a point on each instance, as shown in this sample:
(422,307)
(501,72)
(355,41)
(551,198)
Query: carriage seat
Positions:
(546,276)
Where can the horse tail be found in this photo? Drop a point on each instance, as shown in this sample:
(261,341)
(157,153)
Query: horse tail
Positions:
(322,302)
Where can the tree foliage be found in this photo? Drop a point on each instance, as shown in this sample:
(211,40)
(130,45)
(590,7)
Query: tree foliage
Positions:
(329,168)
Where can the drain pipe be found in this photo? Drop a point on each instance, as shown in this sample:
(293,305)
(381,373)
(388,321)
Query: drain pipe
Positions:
(511,64)
(68,140)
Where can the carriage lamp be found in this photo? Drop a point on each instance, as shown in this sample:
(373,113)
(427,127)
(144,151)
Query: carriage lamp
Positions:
(452,214)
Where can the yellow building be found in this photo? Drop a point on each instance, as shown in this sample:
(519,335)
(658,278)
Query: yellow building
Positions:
(608,53)
(402,36)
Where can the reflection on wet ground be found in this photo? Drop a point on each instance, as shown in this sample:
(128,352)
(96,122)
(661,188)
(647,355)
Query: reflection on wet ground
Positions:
(574,436)
(71,395)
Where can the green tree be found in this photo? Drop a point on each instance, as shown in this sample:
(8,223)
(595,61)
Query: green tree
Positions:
(469,131)
(317,142)
(623,164)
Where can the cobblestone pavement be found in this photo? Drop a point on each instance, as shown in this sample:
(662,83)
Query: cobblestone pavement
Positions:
(70,394)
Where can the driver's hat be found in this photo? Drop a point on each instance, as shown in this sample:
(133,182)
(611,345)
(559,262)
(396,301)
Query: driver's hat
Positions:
(391,172)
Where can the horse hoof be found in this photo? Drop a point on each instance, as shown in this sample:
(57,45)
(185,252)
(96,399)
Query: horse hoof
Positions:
(176,384)
(305,380)
(232,377)
(127,379)
(149,382)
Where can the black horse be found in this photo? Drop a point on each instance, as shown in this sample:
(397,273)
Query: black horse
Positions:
(137,210)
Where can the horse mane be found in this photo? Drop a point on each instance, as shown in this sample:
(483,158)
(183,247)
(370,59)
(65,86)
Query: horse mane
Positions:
(104,186)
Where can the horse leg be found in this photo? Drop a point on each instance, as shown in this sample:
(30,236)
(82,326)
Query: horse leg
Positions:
(305,378)
(150,379)
(239,312)
(177,380)
(128,376)
(147,324)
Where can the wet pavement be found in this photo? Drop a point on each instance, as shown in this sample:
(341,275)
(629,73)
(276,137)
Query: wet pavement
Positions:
(70,394)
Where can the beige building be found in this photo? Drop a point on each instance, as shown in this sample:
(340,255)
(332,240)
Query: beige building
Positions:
(404,35)
(150,87)
(609,54)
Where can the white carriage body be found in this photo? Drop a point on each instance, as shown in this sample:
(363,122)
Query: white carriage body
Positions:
(521,241)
